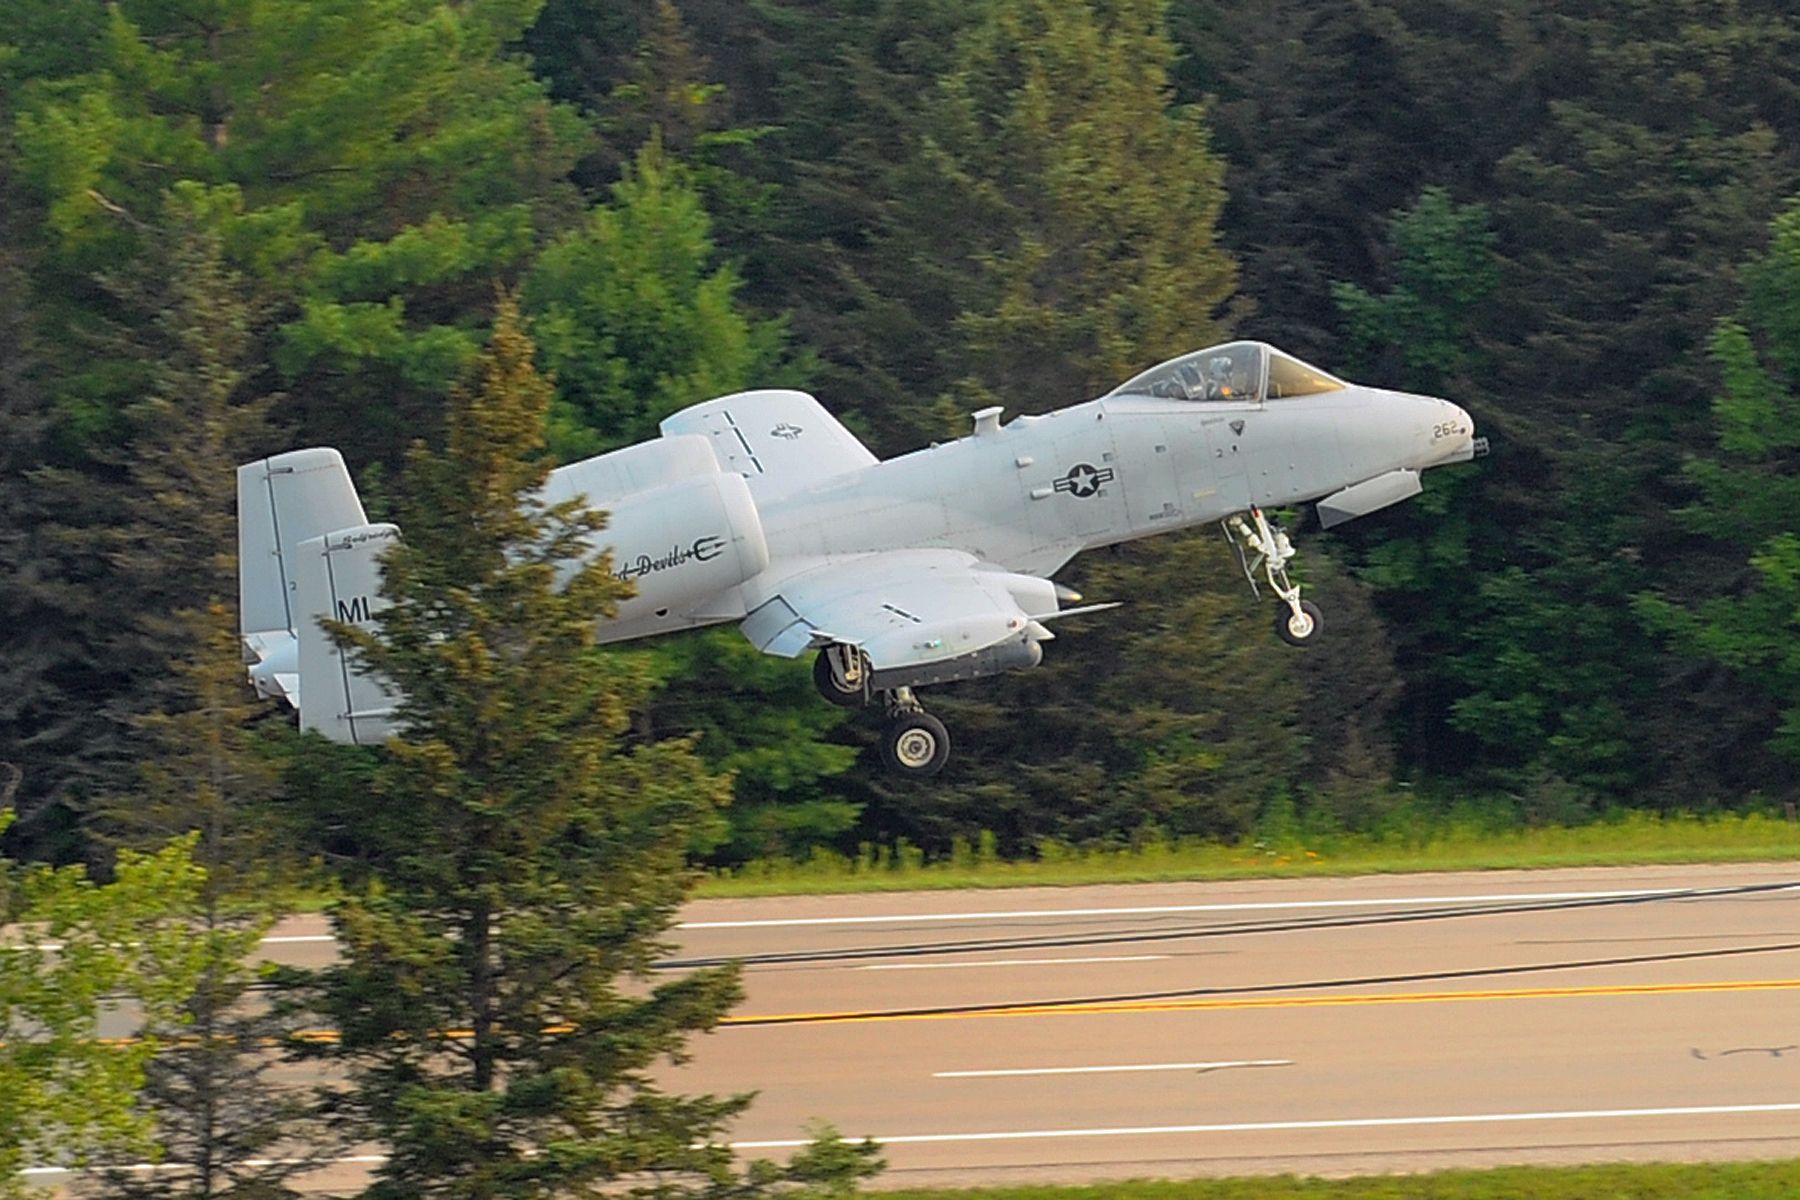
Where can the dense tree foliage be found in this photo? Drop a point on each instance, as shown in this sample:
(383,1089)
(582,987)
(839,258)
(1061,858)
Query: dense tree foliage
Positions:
(228,228)
(1748,491)
(637,319)
(71,945)
(914,209)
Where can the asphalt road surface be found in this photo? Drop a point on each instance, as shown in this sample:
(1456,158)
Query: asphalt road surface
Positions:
(1321,1026)
(1329,1026)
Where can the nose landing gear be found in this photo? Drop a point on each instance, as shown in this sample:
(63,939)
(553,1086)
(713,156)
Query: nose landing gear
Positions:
(1297,621)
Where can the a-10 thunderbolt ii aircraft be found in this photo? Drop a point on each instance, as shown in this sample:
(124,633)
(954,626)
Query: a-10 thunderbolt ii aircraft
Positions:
(932,567)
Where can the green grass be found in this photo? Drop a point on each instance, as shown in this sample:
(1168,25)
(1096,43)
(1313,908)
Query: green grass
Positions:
(1632,839)
(1685,1181)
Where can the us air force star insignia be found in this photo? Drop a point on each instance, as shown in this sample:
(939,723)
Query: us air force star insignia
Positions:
(786,431)
(1084,480)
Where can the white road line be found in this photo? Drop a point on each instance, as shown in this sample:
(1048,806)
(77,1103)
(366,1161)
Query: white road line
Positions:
(1710,1110)
(171,1168)
(1012,962)
(1193,1066)
(1249,906)
(285,939)
(1146,910)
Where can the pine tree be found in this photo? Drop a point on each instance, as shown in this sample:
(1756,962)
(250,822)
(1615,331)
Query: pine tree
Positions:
(1331,116)
(769,731)
(120,539)
(1621,219)
(530,861)
(393,157)
(186,734)
(210,1095)
(1444,269)
(40,725)
(1748,492)
(1352,685)
(636,67)
(852,246)
(1428,557)
(635,318)
(1094,201)
(47,717)
(367,163)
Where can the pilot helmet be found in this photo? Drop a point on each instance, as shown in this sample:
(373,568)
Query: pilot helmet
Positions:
(1219,368)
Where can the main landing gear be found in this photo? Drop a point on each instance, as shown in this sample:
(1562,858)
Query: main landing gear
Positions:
(1297,621)
(915,743)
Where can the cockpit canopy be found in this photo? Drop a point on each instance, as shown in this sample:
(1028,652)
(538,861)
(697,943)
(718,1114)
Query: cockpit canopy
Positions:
(1241,371)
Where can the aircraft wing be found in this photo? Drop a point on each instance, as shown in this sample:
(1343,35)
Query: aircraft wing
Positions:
(780,440)
(904,608)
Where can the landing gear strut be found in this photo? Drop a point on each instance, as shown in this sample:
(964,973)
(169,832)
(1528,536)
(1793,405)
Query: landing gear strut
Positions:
(1297,621)
(841,673)
(915,743)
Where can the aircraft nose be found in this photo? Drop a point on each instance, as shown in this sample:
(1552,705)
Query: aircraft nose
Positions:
(1389,430)
(1453,435)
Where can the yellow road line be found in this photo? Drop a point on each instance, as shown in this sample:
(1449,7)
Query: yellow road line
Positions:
(1236,1002)
(1116,1007)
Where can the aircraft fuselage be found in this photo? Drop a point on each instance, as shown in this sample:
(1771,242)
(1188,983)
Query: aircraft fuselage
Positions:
(1030,495)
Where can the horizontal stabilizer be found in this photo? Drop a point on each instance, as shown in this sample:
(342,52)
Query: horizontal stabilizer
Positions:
(275,669)
(1361,499)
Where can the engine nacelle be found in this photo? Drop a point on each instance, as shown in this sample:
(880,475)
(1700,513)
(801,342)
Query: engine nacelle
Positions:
(681,546)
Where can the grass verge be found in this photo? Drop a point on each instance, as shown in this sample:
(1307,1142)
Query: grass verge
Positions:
(1629,840)
(1656,1181)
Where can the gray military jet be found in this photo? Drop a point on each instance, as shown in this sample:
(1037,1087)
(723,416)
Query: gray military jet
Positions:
(929,568)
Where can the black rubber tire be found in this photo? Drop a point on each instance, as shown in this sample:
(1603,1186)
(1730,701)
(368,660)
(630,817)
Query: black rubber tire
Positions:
(915,745)
(1284,624)
(829,689)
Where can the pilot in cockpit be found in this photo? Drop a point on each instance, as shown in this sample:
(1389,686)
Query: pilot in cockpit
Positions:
(1226,379)
(1220,373)
(1189,384)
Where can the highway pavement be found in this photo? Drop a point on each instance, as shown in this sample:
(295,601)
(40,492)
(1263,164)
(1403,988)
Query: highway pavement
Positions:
(1333,1026)
(1320,1026)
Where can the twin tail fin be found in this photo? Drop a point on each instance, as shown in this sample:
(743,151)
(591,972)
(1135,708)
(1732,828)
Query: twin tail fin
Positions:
(307,551)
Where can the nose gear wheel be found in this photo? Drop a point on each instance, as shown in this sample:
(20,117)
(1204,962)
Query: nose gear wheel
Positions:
(1263,546)
(1298,628)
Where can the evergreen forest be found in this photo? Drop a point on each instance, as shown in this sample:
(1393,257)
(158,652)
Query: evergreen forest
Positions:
(234,227)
